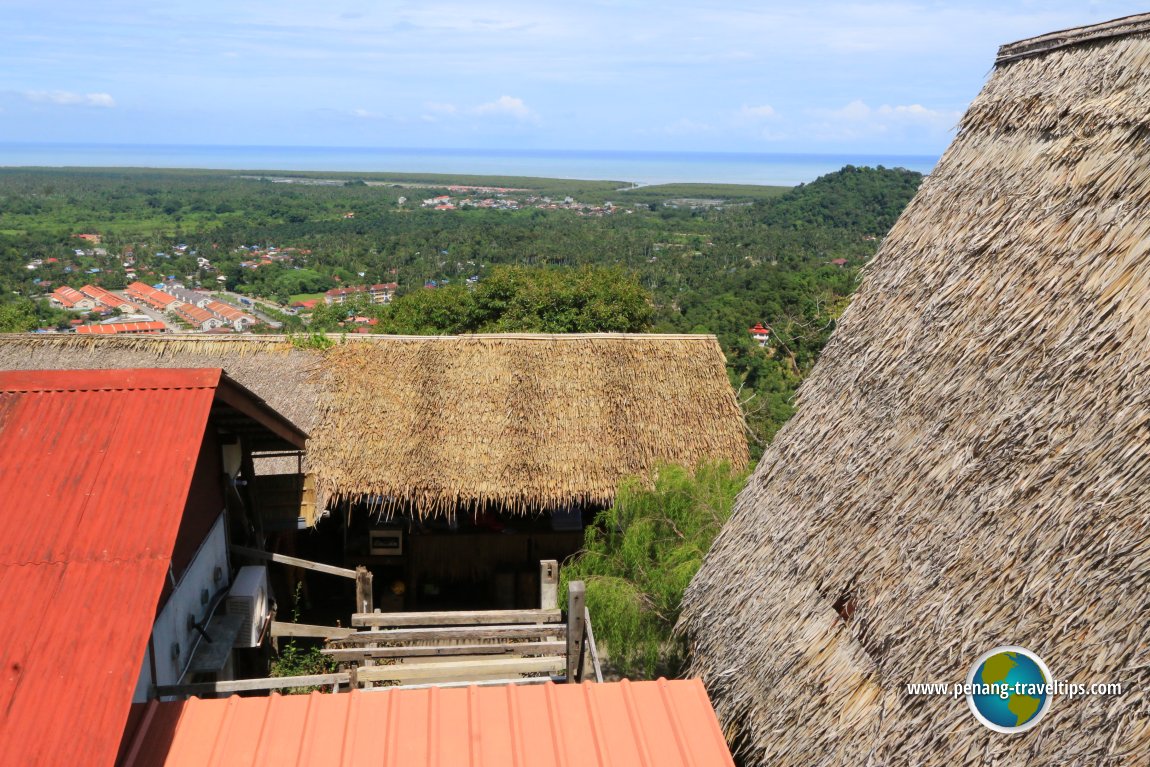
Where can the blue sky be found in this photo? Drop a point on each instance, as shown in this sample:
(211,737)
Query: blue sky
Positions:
(881,77)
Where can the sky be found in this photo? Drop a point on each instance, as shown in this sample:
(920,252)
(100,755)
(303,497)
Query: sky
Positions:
(705,75)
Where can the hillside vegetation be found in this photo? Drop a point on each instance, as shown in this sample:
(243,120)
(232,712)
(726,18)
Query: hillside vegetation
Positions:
(681,258)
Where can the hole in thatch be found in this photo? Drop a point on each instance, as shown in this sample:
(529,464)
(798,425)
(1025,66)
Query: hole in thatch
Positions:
(847,603)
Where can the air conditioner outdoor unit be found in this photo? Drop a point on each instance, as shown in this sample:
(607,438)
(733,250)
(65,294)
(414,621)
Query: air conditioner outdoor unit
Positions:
(248,598)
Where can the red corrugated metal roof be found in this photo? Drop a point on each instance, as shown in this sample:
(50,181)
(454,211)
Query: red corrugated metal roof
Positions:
(112,328)
(149,295)
(657,724)
(229,313)
(193,314)
(93,514)
(105,297)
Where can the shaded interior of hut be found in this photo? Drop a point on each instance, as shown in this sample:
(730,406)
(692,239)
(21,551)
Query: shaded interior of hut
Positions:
(478,559)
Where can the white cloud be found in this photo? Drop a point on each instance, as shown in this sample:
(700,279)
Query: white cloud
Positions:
(859,111)
(858,119)
(508,106)
(437,110)
(68,98)
(762,112)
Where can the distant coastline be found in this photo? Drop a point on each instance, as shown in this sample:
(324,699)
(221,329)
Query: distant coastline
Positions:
(767,169)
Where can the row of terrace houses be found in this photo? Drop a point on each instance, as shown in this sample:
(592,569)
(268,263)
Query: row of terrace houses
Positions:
(88,298)
(65,297)
(108,298)
(200,319)
(376,294)
(226,314)
(179,292)
(239,320)
(146,294)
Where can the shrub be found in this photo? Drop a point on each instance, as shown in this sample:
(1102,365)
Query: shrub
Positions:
(640,555)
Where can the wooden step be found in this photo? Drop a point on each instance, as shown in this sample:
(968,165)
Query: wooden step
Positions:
(348,654)
(451,671)
(457,618)
(451,634)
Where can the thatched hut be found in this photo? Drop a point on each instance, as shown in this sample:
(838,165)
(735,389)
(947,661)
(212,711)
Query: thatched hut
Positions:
(969,464)
(434,450)
(521,422)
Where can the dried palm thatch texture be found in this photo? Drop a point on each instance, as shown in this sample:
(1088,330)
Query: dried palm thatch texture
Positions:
(969,465)
(521,422)
(270,366)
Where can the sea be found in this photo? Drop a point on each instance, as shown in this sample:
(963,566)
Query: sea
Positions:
(636,167)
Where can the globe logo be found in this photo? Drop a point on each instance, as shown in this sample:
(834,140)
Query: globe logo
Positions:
(1009,689)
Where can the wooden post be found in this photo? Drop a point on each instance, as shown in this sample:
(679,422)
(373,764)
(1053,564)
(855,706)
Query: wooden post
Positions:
(576,604)
(548,584)
(367,661)
(591,646)
(352,678)
(364,602)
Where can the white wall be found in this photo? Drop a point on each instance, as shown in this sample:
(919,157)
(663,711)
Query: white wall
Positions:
(207,571)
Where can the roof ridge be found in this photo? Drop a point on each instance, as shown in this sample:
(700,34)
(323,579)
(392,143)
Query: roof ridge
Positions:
(1065,38)
(115,379)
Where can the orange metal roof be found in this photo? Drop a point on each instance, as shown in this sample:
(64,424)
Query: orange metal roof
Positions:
(104,297)
(229,313)
(93,514)
(193,314)
(149,295)
(69,297)
(656,724)
(121,327)
(83,564)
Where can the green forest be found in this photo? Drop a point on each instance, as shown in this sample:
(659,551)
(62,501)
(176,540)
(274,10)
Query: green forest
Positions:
(505,254)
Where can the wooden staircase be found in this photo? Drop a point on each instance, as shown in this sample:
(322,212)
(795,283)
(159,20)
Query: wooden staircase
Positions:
(471,646)
(424,649)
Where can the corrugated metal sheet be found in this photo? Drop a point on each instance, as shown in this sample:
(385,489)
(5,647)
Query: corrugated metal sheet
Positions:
(112,328)
(94,472)
(650,724)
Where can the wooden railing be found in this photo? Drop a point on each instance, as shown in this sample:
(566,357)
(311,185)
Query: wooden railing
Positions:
(418,649)
(445,647)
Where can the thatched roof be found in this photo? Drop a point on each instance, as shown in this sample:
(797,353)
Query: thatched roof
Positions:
(969,464)
(517,421)
(525,422)
(270,366)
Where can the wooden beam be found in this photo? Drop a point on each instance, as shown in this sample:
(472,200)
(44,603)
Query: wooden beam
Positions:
(458,634)
(457,618)
(283,629)
(283,559)
(548,584)
(520,680)
(576,609)
(514,648)
(248,685)
(460,670)
(364,601)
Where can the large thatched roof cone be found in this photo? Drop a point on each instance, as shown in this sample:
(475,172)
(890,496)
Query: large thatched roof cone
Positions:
(969,465)
(521,422)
